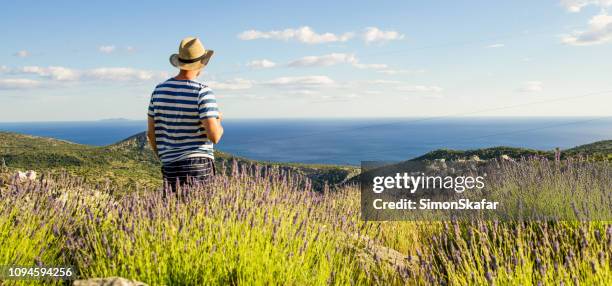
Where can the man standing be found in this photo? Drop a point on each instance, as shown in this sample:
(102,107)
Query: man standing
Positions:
(183,119)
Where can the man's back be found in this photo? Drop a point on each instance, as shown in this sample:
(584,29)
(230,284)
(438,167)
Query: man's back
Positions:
(178,106)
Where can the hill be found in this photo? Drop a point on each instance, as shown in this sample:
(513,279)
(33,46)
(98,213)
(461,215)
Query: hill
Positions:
(131,162)
(124,166)
(601,150)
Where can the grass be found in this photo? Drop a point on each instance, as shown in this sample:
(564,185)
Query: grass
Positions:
(267,226)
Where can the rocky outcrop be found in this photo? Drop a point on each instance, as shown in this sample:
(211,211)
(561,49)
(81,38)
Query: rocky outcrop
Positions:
(110,281)
(25,176)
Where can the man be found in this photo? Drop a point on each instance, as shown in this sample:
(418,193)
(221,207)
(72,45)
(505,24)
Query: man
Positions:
(183,119)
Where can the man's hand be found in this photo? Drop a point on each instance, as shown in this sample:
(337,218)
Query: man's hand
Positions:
(151,134)
(214,131)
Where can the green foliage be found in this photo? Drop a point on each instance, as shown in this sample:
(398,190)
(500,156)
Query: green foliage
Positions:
(599,151)
(130,163)
(273,228)
(484,154)
(249,229)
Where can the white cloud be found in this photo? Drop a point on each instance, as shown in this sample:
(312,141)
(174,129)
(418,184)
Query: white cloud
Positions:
(598,32)
(261,64)
(22,54)
(577,5)
(4,69)
(370,66)
(337,97)
(233,84)
(400,71)
(324,60)
(375,35)
(114,74)
(302,92)
(303,34)
(18,83)
(383,81)
(130,49)
(53,72)
(532,86)
(106,49)
(123,74)
(307,35)
(420,88)
(299,85)
(301,81)
(493,46)
(333,59)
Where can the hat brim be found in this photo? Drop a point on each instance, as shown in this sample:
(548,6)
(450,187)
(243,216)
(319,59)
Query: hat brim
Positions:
(174,61)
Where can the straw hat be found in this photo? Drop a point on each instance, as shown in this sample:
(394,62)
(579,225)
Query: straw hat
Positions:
(192,55)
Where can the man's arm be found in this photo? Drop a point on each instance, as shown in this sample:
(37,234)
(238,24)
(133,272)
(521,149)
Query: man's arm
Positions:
(151,134)
(213,127)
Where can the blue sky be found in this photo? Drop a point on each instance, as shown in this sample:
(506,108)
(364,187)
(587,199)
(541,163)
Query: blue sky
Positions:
(83,60)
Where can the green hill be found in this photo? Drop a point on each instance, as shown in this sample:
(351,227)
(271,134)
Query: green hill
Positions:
(124,166)
(484,154)
(131,162)
(601,150)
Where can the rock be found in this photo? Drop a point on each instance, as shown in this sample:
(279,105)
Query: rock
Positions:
(373,251)
(432,168)
(31,175)
(25,176)
(506,158)
(475,158)
(20,176)
(110,281)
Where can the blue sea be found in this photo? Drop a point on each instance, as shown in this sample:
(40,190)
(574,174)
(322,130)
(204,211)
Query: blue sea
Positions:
(349,141)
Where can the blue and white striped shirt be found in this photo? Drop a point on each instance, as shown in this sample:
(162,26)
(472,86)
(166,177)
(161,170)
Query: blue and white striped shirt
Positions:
(177,106)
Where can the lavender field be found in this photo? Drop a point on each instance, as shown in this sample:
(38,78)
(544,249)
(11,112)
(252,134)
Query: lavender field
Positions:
(264,226)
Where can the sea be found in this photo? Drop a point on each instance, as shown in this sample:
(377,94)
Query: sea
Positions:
(350,141)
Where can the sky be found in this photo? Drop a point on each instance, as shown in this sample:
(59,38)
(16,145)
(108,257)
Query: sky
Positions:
(90,60)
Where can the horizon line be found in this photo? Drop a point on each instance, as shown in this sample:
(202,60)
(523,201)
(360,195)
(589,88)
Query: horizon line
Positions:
(335,118)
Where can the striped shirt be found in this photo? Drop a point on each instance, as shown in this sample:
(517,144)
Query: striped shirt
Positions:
(177,106)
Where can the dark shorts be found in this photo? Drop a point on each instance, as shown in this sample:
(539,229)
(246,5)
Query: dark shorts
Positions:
(188,171)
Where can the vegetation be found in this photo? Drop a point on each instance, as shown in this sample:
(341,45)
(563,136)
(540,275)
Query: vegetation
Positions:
(601,150)
(265,224)
(130,163)
(126,167)
(252,229)
(484,154)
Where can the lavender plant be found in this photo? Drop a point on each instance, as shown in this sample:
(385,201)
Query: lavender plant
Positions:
(266,226)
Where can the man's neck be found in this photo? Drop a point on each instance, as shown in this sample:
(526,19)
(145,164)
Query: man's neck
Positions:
(187,75)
